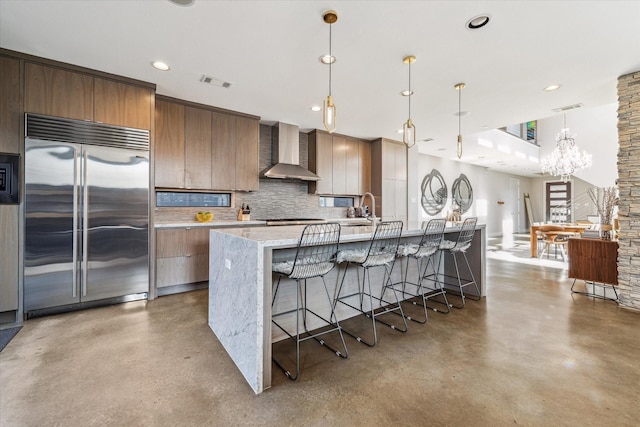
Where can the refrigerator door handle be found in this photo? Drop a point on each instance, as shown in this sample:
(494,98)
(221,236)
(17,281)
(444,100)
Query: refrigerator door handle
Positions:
(85,223)
(74,279)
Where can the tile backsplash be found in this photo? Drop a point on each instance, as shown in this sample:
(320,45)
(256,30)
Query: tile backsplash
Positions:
(276,198)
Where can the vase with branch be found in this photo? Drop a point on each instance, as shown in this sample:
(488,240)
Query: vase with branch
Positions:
(605,199)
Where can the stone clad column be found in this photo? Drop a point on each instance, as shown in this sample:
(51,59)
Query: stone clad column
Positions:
(629,186)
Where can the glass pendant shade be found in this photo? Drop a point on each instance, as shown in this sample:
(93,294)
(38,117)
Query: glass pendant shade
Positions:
(409,133)
(329,114)
(459,147)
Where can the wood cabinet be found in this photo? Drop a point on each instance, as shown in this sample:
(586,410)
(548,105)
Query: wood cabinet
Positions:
(56,92)
(223,151)
(247,147)
(197,148)
(341,161)
(182,256)
(200,148)
(59,92)
(389,179)
(10,142)
(593,260)
(122,104)
(10,111)
(169,150)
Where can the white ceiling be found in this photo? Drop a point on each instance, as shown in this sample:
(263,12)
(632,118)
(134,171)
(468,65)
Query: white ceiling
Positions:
(269,51)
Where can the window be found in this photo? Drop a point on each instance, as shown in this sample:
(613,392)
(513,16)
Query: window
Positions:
(165,199)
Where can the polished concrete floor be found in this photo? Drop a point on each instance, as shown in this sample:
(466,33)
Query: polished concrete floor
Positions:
(531,353)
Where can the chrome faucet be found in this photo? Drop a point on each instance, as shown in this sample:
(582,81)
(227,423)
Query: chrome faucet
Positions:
(373,205)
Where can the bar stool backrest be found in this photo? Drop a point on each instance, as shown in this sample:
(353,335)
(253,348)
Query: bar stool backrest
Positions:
(466,235)
(317,249)
(384,244)
(433,233)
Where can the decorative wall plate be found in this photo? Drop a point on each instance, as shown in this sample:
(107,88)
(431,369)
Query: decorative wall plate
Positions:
(462,193)
(434,193)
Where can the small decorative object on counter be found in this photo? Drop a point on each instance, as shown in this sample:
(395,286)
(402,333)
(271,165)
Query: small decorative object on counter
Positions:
(204,216)
(244,213)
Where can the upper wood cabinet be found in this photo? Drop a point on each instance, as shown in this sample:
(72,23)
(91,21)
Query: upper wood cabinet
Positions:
(122,104)
(247,146)
(200,148)
(223,151)
(169,144)
(341,161)
(10,111)
(57,92)
(197,145)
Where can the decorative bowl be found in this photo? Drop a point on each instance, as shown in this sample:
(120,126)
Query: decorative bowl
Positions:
(204,216)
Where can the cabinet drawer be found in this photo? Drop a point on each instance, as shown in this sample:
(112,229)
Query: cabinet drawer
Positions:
(182,270)
(179,242)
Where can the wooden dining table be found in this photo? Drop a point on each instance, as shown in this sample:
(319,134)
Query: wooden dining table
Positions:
(565,229)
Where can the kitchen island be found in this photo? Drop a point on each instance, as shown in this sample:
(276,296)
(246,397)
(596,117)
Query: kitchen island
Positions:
(240,286)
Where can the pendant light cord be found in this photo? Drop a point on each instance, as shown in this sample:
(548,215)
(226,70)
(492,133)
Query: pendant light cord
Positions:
(459,111)
(330,58)
(410,93)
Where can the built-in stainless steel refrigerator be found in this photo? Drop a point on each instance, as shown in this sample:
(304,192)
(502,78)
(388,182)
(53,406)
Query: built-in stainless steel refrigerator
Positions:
(86,214)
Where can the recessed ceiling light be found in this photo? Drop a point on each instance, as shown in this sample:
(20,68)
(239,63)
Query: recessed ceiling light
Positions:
(316,108)
(406,92)
(551,88)
(478,22)
(400,131)
(442,149)
(327,59)
(461,113)
(183,2)
(159,65)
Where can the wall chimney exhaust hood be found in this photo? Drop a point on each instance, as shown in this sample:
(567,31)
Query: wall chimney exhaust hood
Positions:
(285,150)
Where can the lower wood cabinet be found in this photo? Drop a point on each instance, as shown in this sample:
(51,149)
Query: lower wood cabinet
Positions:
(182,256)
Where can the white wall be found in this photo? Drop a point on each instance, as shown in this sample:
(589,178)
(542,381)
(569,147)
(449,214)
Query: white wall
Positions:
(488,189)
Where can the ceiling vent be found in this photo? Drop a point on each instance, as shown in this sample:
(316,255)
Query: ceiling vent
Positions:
(567,108)
(214,82)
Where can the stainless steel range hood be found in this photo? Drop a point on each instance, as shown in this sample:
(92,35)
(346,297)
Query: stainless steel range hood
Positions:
(285,150)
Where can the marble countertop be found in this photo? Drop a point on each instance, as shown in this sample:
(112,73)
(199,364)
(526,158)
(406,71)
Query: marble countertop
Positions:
(235,223)
(210,224)
(288,235)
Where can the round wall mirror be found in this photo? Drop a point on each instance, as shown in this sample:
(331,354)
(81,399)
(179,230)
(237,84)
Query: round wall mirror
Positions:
(462,193)
(434,193)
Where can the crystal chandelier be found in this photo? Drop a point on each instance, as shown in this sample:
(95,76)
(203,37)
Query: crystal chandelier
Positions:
(565,159)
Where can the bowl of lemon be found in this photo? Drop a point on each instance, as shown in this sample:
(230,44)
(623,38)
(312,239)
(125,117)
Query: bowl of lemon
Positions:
(203,216)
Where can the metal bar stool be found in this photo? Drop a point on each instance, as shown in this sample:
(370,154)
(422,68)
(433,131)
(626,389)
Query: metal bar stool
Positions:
(456,248)
(315,257)
(381,253)
(424,254)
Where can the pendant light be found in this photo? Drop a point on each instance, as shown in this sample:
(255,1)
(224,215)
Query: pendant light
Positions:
(328,107)
(459,88)
(408,128)
(566,158)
